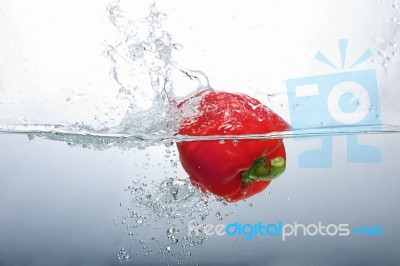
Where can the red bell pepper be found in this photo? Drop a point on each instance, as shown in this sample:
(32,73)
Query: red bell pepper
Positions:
(231,169)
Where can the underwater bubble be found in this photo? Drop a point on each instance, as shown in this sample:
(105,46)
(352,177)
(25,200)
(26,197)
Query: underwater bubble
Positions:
(123,255)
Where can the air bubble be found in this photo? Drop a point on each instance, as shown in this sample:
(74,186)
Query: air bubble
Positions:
(123,255)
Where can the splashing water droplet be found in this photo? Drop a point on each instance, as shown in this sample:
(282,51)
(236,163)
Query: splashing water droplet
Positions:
(178,46)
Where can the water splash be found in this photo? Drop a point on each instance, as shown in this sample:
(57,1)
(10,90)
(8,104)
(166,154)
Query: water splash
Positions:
(141,62)
(149,79)
(149,85)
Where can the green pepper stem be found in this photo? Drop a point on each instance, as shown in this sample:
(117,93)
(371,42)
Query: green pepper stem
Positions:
(259,170)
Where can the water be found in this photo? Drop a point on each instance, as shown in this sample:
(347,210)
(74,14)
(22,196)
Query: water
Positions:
(133,201)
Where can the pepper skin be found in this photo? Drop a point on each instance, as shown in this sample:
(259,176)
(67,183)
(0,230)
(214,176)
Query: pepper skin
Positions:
(231,169)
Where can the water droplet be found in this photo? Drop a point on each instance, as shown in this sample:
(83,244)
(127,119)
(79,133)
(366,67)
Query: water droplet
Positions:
(250,204)
(222,141)
(168,248)
(178,46)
